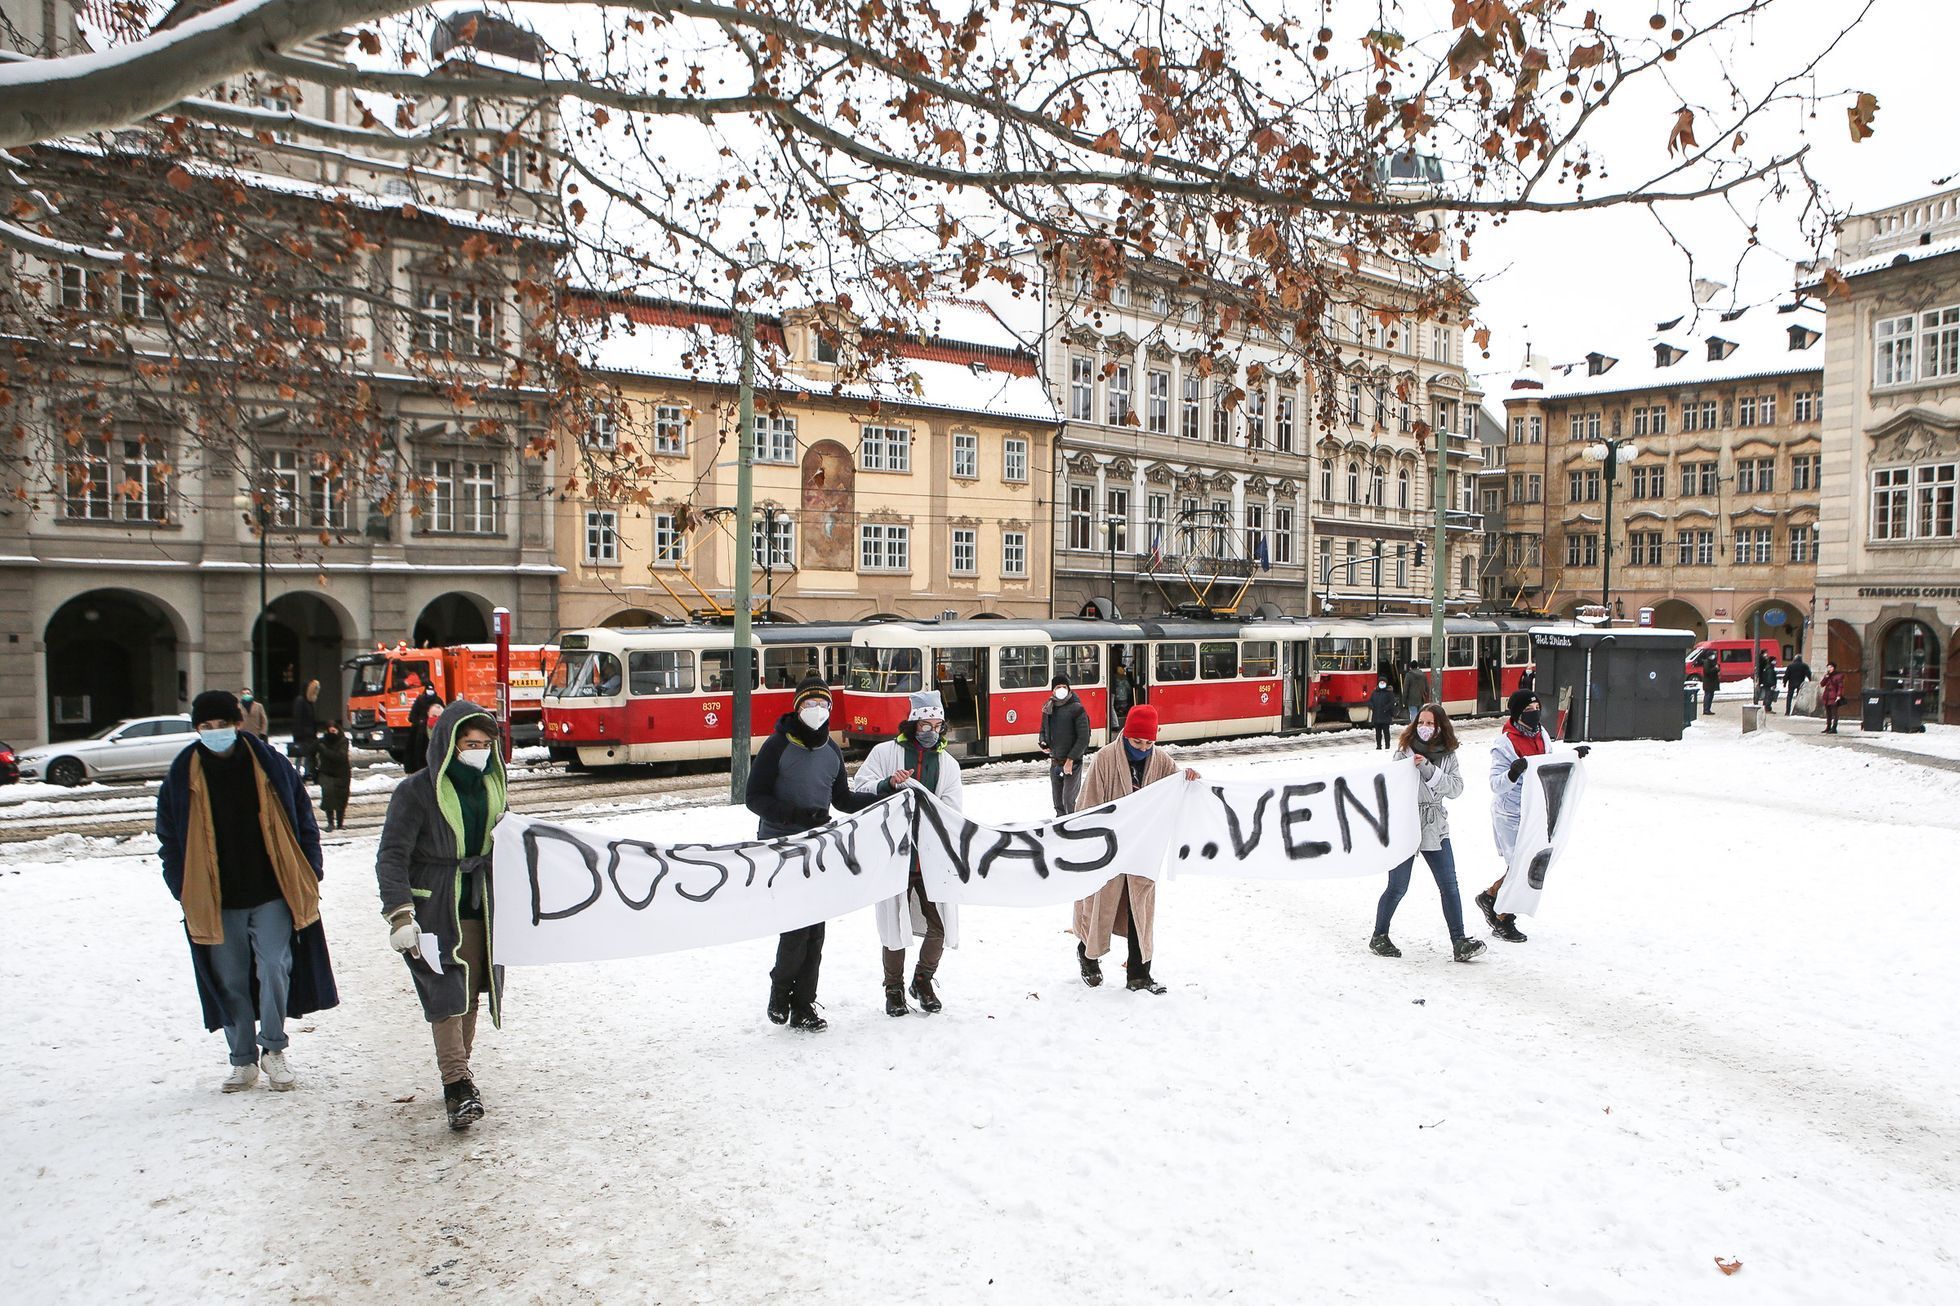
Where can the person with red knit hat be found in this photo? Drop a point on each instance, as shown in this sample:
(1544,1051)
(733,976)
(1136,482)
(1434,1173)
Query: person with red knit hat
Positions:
(1127,905)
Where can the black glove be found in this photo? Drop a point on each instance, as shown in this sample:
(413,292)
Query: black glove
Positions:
(1583,749)
(1517,769)
(815,817)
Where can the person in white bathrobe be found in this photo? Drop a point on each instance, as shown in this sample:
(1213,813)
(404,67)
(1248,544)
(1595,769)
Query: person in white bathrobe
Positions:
(919,753)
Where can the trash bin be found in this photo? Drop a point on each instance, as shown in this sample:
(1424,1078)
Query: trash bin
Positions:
(1906,704)
(1690,702)
(1873,709)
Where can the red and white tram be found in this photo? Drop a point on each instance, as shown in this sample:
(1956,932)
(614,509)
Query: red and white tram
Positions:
(665,693)
(1482,660)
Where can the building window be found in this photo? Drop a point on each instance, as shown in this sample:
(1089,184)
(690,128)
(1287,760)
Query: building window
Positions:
(1326,559)
(1221,412)
(1402,488)
(1804,471)
(1534,489)
(451,320)
(1327,480)
(1282,534)
(1535,428)
(1650,421)
(1582,487)
(1401,567)
(1188,527)
(1081,388)
(306,491)
(882,547)
(1752,546)
(1803,544)
(1891,488)
(966,455)
(1354,483)
(1807,406)
(1932,492)
(1255,531)
(1378,485)
(1221,527)
(1189,420)
(966,551)
(1014,460)
(1255,418)
(117,479)
(669,429)
(773,542)
(462,498)
(602,429)
(669,548)
(775,439)
(1695,548)
(601,538)
(1081,514)
(1156,514)
(139,299)
(1582,550)
(1939,343)
(1745,411)
(1157,401)
(1641,483)
(1014,553)
(885,449)
(1119,294)
(1892,361)
(1354,403)
(1283,424)
(81,289)
(1119,395)
(1439,344)
(1116,519)
(1697,479)
(1643,549)
(1755,475)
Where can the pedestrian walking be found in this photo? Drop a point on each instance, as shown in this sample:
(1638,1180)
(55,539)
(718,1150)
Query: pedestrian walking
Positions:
(432,867)
(919,753)
(241,853)
(254,721)
(797,777)
(1381,711)
(1523,736)
(336,769)
(1127,905)
(1830,692)
(1711,680)
(1415,689)
(1065,738)
(1796,674)
(1122,694)
(418,729)
(1528,678)
(1429,743)
(306,727)
(1766,681)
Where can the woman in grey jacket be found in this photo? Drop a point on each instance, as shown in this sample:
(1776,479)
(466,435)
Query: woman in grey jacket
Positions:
(1429,744)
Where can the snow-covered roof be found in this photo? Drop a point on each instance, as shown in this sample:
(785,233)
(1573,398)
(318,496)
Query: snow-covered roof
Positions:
(1760,336)
(1900,257)
(681,343)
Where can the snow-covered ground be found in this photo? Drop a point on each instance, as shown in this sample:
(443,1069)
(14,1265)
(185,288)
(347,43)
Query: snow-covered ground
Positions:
(1733,1034)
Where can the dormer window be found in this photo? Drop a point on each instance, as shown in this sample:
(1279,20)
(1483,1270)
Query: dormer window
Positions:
(825,349)
(1668,355)
(1802,337)
(1599,364)
(1719,348)
(1733,314)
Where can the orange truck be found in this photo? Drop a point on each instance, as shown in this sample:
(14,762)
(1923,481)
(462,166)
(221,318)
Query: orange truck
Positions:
(389,680)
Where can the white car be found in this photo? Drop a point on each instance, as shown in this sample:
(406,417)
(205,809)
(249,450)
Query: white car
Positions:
(141,748)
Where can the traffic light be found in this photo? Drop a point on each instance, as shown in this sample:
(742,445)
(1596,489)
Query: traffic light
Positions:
(1418,553)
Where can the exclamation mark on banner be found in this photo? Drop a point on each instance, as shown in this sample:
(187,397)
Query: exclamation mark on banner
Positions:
(1554,776)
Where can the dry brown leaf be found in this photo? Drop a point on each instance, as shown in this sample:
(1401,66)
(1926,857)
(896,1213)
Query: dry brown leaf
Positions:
(1861,114)
(1727,1267)
(1683,135)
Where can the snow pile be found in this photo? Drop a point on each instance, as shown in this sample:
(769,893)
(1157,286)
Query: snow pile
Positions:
(1732,1035)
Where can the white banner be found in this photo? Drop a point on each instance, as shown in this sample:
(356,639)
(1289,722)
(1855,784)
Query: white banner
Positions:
(569,893)
(1554,784)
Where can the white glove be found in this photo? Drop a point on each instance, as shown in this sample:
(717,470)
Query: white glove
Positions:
(406,938)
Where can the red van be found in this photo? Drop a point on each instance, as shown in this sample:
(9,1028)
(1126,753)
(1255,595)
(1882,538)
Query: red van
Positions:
(1737,657)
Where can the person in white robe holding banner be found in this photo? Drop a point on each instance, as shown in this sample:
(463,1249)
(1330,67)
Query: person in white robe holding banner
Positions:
(919,753)
(1127,905)
(1523,736)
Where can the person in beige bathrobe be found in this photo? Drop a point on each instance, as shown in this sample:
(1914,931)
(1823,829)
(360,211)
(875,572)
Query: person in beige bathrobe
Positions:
(1127,905)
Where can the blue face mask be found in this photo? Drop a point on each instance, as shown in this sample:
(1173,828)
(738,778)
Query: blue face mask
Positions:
(1136,754)
(218,741)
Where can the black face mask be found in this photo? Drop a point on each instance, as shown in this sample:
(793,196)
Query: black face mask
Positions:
(1529,718)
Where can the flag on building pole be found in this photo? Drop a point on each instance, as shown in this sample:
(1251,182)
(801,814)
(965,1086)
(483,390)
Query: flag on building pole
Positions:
(1156,548)
(1264,555)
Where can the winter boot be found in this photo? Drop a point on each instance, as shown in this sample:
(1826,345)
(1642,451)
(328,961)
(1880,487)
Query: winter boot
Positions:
(803,1015)
(1091,967)
(1487,904)
(1507,930)
(778,1005)
(1466,949)
(465,1108)
(278,1075)
(1382,946)
(1140,981)
(241,1078)
(922,990)
(895,1001)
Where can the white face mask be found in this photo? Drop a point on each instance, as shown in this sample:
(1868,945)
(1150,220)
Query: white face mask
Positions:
(476,758)
(1425,733)
(1061,692)
(814,715)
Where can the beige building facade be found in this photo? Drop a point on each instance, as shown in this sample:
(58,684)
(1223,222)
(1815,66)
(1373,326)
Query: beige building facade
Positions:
(913,493)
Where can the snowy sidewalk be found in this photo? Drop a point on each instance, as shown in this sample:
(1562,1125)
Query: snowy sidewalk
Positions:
(1731,1035)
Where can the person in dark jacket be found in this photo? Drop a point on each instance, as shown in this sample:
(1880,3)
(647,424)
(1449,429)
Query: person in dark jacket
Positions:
(1381,711)
(1122,693)
(241,853)
(418,729)
(1065,738)
(1766,681)
(433,870)
(336,770)
(1830,695)
(797,777)
(1796,674)
(1528,678)
(306,727)
(1711,680)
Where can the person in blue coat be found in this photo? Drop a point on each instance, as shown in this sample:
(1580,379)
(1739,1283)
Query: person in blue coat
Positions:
(241,852)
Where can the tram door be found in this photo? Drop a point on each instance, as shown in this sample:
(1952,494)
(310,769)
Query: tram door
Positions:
(960,676)
(1299,676)
(1490,672)
(1127,685)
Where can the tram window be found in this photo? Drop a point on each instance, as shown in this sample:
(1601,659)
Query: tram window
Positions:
(1339,653)
(1218,660)
(1422,652)
(1177,662)
(836,658)
(584,675)
(1462,650)
(1081,663)
(660,671)
(885,670)
(1517,650)
(784,668)
(1024,666)
(718,671)
(1259,657)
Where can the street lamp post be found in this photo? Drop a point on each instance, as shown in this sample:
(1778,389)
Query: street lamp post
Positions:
(256,503)
(1109,532)
(769,562)
(1612,453)
(738,734)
